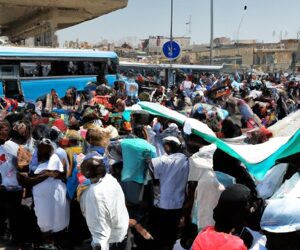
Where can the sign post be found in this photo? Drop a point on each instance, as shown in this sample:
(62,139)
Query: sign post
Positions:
(171,50)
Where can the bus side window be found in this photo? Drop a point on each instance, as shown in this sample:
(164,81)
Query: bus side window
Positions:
(99,68)
(46,68)
(80,68)
(39,69)
(59,68)
(22,71)
(71,68)
(28,69)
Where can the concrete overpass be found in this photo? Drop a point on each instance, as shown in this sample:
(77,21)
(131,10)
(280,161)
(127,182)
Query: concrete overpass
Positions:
(21,19)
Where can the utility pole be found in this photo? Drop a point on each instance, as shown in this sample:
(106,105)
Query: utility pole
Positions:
(298,51)
(171,40)
(211,30)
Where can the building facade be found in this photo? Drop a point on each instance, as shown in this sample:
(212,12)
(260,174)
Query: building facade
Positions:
(266,56)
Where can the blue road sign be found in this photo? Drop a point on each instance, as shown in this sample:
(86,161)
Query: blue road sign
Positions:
(171,50)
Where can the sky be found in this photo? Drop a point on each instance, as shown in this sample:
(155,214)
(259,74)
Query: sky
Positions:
(264,20)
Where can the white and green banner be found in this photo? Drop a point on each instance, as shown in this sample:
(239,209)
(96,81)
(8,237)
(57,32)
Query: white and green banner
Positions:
(257,158)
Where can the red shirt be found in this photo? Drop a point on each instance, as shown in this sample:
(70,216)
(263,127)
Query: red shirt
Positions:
(209,239)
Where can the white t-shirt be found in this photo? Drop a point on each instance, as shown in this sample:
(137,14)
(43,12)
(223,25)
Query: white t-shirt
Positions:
(103,205)
(187,85)
(8,161)
(51,205)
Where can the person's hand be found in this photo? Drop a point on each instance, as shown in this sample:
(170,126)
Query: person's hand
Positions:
(52,174)
(132,223)
(184,221)
(25,174)
(142,231)
(147,156)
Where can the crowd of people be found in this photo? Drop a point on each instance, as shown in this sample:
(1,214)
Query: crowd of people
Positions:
(94,170)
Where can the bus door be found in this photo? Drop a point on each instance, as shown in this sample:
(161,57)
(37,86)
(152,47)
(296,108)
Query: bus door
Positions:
(9,77)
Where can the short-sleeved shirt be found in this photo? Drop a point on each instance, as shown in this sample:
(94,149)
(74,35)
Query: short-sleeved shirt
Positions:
(209,239)
(8,170)
(172,172)
(187,85)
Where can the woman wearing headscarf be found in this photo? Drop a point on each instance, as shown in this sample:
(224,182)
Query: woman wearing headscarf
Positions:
(50,196)
(227,164)
(231,215)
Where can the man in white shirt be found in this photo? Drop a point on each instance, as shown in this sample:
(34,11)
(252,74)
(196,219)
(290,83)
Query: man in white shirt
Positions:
(103,205)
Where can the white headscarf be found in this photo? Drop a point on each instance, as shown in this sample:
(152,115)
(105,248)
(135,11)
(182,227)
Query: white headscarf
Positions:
(54,164)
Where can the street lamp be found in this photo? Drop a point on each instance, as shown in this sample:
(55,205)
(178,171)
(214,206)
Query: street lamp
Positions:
(238,33)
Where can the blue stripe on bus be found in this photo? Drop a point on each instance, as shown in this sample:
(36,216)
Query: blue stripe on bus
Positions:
(35,88)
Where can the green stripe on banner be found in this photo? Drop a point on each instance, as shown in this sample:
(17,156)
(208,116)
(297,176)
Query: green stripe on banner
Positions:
(291,147)
(258,170)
